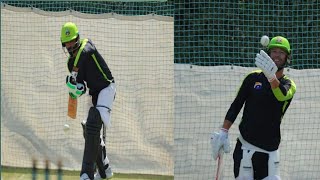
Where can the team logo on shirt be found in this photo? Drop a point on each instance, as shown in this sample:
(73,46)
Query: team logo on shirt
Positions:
(257,85)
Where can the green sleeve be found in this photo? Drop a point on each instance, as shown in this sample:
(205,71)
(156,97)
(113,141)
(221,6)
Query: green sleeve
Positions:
(285,91)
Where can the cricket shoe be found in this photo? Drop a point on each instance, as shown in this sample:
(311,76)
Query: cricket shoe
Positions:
(108,171)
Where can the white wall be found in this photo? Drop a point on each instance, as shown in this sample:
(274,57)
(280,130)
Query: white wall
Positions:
(139,52)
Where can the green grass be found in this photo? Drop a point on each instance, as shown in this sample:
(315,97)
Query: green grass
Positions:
(13,173)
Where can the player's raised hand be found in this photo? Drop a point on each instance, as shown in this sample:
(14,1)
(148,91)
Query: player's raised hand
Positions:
(266,64)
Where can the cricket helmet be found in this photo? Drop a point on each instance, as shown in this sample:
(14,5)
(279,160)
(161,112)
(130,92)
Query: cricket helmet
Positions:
(69,32)
(280,42)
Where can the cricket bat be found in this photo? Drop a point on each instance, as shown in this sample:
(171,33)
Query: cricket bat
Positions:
(72,103)
(72,107)
(219,172)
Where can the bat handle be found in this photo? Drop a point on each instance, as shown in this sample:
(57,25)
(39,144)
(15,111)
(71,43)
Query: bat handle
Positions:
(219,168)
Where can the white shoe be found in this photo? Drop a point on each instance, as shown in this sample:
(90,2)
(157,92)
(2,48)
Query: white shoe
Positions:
(84,176)
(108,171)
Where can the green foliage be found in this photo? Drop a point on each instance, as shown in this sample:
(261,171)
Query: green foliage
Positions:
(225,33)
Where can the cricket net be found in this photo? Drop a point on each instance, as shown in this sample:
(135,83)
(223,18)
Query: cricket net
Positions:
(215,46)
(136,40)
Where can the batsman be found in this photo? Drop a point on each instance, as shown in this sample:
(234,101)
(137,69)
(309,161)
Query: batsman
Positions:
(89,70)
(266,95)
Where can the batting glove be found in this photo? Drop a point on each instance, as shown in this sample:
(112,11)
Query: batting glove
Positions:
(266,64)
(220,143)
(75,89)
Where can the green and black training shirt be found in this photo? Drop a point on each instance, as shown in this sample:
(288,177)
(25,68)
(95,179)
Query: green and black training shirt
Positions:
(91,68)
(263,109)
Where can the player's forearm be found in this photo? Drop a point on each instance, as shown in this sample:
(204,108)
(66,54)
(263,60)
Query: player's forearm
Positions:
(226,124)
(275,83)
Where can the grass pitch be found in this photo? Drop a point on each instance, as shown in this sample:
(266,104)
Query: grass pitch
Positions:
(13,173)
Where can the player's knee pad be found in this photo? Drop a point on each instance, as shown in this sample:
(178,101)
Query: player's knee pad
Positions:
(105,113)
(104,103)
(94,123)
(273,177)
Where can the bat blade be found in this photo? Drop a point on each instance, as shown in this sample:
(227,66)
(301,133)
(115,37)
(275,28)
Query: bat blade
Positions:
(72,107)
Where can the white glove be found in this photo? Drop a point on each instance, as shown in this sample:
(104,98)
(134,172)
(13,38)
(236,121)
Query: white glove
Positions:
(220,143)
(266,64)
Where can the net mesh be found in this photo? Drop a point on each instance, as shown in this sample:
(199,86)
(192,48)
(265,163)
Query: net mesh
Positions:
(138,48)
(160,106)
(215,46)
